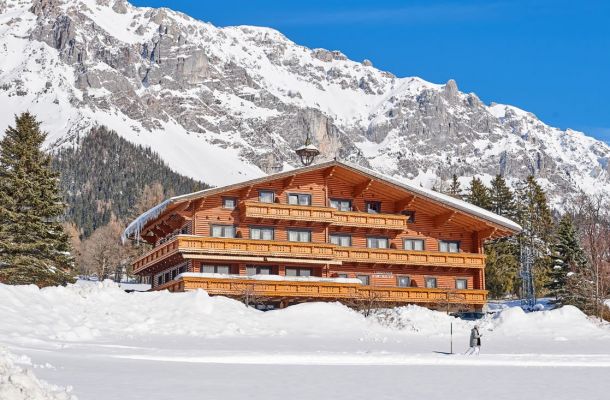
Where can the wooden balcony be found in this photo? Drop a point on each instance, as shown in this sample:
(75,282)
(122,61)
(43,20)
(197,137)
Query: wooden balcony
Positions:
(404,257)
(189,246)
(324,291)
(274,211)
(366,220)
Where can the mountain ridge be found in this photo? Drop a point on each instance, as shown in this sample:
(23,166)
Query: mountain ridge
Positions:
(242,98)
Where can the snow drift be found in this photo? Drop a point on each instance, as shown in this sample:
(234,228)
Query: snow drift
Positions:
(86,311)
(18,383)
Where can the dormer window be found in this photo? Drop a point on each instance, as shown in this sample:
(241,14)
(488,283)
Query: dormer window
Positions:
(299,199)
(266,196)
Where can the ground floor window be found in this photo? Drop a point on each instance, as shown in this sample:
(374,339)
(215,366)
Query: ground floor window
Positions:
(403,281)
(298,271)
(365,279)
(215,269)
(341,275)
(258,270)
(170,274)
(431,283)
(461,283)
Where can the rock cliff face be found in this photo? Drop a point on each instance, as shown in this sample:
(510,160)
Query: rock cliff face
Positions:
(222,104)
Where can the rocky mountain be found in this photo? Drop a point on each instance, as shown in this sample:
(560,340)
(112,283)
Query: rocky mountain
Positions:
(224,104)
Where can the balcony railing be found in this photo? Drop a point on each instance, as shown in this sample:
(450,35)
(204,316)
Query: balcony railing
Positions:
(189,244)
(348,292)
(274,211)
(229,247)
(393,256)
(252,209)
(366,220)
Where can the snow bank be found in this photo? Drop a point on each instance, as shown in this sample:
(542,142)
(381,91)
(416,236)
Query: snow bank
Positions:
(18,383)
(89,311)
(562,323)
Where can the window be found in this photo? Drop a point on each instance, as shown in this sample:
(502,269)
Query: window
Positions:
(372,207)
(229,203)
(167,277)
(403,281)
(461,283)
(430,283)
(225,231)
(414,244)
(299,199)
(341,240)
(377,242)
(447,246)
(341,205)
(341,275)
(410,216)
(365,279)
(298,272)
(257,270)
(215,269)
(261,233)
(299,235)
(160,280)
(266,196)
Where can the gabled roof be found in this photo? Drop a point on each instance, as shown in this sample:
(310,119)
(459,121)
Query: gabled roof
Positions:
(135,227)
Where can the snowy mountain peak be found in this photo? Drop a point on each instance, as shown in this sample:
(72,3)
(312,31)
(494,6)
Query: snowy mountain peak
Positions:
(225,104)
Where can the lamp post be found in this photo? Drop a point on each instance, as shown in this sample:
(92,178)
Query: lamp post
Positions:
(307,152)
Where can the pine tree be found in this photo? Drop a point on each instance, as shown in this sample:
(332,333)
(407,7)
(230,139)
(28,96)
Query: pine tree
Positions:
(33,245)
(478,194)
(454,189)
(502,200)
(569,265)
(534,215)
(501,267)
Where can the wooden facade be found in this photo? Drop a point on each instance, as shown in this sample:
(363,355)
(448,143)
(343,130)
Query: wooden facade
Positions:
(331,231)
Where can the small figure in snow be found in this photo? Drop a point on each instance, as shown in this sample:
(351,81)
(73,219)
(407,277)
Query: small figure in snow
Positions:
(475,341)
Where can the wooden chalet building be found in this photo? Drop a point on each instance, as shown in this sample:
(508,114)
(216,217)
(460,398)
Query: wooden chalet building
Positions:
(333,231)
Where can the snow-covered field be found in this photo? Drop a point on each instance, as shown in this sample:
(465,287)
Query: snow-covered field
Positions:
(102,343)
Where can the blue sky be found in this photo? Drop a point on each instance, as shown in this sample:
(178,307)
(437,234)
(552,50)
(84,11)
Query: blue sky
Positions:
(550,57)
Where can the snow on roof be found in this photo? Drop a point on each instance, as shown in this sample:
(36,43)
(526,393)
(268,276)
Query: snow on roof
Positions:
(134,229)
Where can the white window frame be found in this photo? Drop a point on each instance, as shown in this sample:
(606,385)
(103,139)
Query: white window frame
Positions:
(375,239)
(340,204)
(216,269)
(258,270)
(229,198)
(299,233)
(260,198)
(427,278)
(298,197)
(224,229)
(340,241)
(261,229)
(413,240)
(398,279)
(299,271)
(448,244)
(461,280)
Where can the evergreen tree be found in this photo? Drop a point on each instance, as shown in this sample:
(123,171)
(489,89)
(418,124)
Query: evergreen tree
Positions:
(534,215)
(501,267)
(569,264)
(33,245)
(454,189)
(478,194)
(502,200)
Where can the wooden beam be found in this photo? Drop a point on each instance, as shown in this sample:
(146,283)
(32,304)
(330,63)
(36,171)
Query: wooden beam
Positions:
(288,181)
(362,187)
(245,193)
(400,205)
(328,172)
(441,219)
(486,233)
